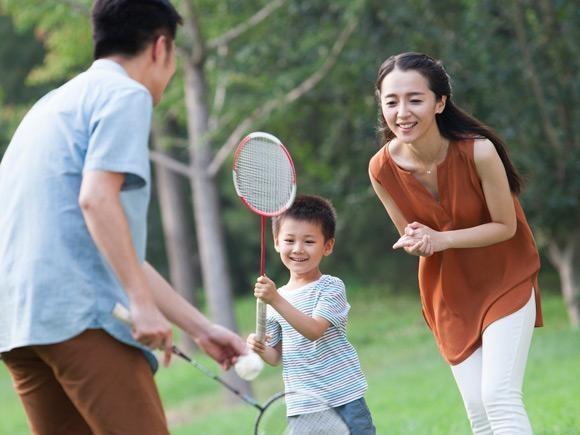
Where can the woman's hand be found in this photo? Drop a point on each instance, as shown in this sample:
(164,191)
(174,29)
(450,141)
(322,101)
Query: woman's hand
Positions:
(420,247)
(421,240)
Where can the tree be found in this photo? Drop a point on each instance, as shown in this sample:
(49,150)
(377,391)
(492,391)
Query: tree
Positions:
(202,125)
(506,59)
(525,52)
(15,66)
(546,35)
(204,122)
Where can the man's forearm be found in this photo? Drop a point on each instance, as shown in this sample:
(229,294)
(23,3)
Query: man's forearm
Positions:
(174,306)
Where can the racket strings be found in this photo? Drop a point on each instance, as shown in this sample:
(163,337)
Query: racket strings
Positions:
(264,176)
(325,421)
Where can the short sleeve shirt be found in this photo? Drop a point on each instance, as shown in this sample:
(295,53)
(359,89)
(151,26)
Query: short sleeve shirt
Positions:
(54,283)
(329,366)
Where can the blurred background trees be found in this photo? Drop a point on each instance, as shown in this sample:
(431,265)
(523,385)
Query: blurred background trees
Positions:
(305,71)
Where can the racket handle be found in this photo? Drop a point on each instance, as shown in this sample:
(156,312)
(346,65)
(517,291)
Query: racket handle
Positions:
(122,313)
(260,319)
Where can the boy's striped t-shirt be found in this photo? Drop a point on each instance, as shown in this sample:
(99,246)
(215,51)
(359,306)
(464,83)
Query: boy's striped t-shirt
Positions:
(328,367)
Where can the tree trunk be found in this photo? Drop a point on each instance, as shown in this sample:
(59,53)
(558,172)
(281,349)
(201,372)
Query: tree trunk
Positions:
(566,259)
(208,220)
(177,234)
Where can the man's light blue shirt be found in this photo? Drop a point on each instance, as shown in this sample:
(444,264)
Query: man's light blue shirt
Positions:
(54,283)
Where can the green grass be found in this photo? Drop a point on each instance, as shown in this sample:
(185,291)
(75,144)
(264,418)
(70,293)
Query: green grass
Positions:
(411,389)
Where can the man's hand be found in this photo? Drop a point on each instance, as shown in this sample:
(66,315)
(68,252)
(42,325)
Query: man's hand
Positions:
(151,328)
(222,345)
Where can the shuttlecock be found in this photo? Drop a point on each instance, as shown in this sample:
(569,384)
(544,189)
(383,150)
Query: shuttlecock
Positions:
(249,366)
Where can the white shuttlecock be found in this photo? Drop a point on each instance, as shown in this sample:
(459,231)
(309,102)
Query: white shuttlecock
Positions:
(249,366)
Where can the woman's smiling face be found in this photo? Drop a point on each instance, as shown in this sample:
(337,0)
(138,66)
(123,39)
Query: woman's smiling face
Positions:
(409,106)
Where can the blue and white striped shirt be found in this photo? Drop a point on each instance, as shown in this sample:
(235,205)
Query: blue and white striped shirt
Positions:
(328,367)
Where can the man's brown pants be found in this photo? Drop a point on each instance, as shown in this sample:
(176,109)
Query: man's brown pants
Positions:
(90,384)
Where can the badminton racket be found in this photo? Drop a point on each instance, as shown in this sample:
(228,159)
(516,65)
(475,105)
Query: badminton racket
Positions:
(265,180)
(272,415)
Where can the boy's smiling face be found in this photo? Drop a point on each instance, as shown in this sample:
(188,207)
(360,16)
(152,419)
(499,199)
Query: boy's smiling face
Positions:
(302,246)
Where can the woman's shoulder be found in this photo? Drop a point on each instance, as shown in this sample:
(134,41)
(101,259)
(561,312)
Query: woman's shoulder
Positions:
(479,153)
(483,149)
(378,160)
(471,147)
(381,153)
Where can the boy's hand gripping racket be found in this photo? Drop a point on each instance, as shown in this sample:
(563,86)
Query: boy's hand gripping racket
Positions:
(265,180)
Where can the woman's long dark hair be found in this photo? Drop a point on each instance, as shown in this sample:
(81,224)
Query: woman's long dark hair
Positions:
(453,122)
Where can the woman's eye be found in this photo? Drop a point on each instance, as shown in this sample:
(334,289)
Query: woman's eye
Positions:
(416,101)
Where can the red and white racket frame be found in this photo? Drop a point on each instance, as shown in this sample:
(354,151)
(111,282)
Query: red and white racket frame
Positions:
(260,305)
(240,148)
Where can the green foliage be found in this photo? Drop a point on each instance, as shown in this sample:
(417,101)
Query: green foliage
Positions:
(331,131)
(525,88)
(64,29)
(16,61)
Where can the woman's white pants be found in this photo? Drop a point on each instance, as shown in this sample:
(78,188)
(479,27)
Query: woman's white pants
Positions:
(490,380)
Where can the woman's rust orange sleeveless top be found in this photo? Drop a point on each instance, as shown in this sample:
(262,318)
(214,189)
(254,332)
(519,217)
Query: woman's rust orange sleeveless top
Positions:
(463,290)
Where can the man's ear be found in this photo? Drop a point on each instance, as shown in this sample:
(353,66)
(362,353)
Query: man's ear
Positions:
(159,48)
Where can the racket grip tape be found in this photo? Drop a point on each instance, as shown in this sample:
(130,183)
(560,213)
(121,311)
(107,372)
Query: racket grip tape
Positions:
(260,319)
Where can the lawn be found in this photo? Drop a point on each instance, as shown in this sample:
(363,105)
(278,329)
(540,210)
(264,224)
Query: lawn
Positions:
(411,390)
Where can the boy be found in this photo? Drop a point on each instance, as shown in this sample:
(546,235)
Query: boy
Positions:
(306,322)
(75,187)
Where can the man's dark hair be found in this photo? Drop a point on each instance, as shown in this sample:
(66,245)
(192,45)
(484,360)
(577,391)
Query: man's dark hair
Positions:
(310,208)
(125,27)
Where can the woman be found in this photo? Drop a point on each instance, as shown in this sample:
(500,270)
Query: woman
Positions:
(448,185)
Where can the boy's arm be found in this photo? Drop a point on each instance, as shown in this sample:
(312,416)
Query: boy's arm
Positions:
(272,355)
(310,327)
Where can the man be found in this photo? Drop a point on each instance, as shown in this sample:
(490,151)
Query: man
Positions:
(74,193)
